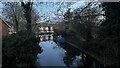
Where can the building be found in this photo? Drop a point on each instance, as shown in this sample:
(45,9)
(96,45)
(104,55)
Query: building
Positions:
(4,27)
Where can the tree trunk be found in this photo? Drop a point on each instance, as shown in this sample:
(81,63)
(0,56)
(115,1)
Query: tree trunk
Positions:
(28,18)
(27,10)
(16,21)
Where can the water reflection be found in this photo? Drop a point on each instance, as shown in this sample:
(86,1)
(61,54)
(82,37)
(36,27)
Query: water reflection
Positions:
(73,57)
(46,37)
(52,54)
(62,55)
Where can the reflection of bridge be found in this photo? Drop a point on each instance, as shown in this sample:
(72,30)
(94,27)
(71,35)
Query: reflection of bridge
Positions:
(46,37)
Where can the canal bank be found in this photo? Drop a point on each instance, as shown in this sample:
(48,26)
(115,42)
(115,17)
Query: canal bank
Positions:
(106,62)
(87,48)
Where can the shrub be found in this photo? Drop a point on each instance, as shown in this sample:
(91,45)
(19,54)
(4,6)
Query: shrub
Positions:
(20,49)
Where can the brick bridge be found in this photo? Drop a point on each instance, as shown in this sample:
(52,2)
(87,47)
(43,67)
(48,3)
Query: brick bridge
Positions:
(46,28)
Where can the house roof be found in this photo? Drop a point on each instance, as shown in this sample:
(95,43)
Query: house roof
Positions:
(5,22)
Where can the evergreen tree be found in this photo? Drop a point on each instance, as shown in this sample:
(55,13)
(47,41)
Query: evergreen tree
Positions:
(111,26)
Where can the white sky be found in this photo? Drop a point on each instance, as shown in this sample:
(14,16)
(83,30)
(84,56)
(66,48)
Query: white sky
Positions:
(48,10)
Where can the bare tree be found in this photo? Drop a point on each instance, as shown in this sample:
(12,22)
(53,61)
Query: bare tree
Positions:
(84,19)
(13,13)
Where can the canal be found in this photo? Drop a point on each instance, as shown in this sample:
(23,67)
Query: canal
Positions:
(55,54)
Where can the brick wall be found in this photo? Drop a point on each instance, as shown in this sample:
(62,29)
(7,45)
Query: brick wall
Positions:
(3,29)
(0,27)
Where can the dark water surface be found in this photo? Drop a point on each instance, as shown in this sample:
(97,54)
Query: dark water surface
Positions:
(62,55)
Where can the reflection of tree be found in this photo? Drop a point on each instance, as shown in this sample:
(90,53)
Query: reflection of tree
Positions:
(68,60)
(70,55)
(88,62)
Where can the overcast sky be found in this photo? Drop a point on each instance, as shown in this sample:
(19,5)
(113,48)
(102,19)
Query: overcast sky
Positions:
(48,10)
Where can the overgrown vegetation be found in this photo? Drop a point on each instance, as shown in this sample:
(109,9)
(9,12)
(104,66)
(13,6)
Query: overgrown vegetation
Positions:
(85,29)
(20,50)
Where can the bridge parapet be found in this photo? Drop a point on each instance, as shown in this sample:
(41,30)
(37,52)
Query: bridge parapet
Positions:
(46,29)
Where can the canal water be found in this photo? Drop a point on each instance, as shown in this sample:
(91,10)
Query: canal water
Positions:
(55,54)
